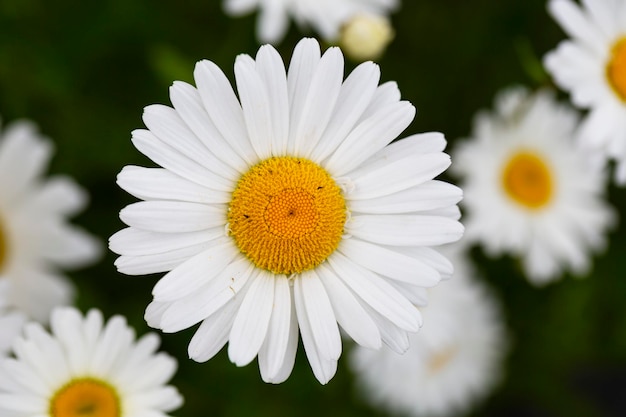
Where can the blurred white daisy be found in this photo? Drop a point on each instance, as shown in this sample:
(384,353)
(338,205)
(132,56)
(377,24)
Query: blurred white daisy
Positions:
(365,36)
(592,67)
(528,190)
(11,321)
(326,17)
(287,210)
(86,368)
(35,238)
(454,361)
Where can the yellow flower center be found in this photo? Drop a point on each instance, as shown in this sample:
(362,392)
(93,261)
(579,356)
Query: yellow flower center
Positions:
(616,68)
(3,248)
(440,359)
(527,180)
(287,215)
(85,397)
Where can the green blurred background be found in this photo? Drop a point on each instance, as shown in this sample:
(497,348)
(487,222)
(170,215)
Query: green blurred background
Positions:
(83,70)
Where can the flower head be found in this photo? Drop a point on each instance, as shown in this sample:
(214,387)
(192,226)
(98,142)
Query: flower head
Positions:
(591,66)
(325,16)
(528,190)
(35,238)
(86,367)
(285,211)
(453,362)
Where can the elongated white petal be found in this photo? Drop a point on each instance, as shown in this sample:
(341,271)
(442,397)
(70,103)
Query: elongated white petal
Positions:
(136,242)
(173,216)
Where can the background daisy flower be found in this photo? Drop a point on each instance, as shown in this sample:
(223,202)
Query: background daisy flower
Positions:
(326,17)
(86,367)
(592,68)
(454,361)
(285,211)
(36,240)
(528,190)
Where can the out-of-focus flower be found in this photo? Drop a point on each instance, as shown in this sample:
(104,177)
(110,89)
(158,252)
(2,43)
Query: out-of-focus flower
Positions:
(365,36)
(287,210)
(592,68)
(35,238)
(11,321)
(86,367)
(528,190)
(324,16)
(453,362)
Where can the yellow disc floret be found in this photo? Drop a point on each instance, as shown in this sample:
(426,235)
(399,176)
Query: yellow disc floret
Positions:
(527,179)
(3,248)
(616,68)
(85,397)
(287,215)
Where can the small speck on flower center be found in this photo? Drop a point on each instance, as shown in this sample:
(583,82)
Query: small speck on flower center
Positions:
(527,179)
(85,397)
(616,68)
(287,215)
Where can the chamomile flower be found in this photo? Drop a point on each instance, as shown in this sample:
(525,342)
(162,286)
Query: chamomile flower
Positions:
(591,66)
(36,240)
(11,321)
(285,210)
(528,190)
(453,362)
(86,367)
(326,17)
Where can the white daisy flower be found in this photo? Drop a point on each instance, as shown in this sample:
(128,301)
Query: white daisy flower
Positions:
(453,362)
(35,238)
(528,190)
(86,368)
(285,210)
(592,67)
(324,16)
(11,321)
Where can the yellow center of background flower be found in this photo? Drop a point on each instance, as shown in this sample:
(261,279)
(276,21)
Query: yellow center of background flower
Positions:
(3,249)
(440,359)
(85,397)
(527,180)
(287,215)
(616,69)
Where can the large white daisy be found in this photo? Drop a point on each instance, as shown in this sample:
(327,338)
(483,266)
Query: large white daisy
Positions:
(11,321)
(36,240)
(592,67)
(86,368)
(325,16)
(453,362)
(285,210)
(528,190)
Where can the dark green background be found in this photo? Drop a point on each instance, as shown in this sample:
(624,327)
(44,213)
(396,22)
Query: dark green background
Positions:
(83,70)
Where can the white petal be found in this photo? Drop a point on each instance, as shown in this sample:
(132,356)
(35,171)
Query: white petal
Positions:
(271,69)
(354,96)
(370,136)
(405,230)
(252,322)
(304,61)
(60,194)
(194,272)
(319,104)
(158,262)
(393,336)
(186,100)
(173,216)
(161,184)
(349,313)
(390,263)
(135,242)
(377,293)
(255,104)
(386,94)
(428,196)
(212,334)
(224,109)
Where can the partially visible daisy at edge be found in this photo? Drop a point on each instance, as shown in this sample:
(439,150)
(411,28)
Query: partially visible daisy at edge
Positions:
(454,361)
(86,366)
(36,239)
(326,17)
(11,321)
(287,212)
(591,66)
(528,190)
